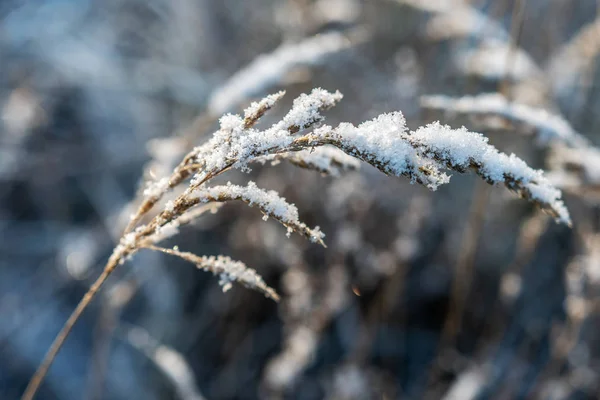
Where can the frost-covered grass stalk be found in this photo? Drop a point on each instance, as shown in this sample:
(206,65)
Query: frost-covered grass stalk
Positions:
(423,156)
(573,162)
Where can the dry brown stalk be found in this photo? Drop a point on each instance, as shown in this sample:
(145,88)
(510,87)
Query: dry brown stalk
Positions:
(383,142)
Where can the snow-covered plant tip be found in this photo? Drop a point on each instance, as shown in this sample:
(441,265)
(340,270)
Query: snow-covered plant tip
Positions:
(423,156)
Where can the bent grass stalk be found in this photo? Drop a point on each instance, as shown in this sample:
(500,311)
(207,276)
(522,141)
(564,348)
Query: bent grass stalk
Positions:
(385,142)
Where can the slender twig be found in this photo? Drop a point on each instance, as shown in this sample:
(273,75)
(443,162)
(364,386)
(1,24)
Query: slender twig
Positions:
(383,142)
(58,342)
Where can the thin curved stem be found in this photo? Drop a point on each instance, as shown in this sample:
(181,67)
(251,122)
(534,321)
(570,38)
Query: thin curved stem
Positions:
(40,373)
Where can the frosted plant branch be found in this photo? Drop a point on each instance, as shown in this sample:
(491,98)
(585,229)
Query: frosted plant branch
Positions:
(461,150)
(384,142)
(258,108)
(157,189)
(226,269)
(327,160)
(423,154)
(266,71)
(233,146)
(171,228)
(269,202)
(573,161)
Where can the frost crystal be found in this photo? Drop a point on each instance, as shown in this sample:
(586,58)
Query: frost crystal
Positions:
(382,143)
(326,160)
(258,108)
(306,109)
